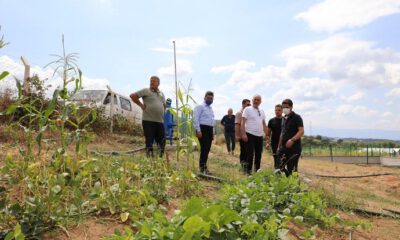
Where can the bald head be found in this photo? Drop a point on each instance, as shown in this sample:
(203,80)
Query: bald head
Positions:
(256,100)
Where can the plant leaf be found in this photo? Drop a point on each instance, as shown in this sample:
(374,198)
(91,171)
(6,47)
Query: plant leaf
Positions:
(4,74)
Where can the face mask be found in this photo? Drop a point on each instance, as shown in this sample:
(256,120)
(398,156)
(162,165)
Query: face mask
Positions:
(286,111)
(209,102)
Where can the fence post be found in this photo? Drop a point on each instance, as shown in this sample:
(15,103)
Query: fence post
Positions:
(367,154)
(330,150)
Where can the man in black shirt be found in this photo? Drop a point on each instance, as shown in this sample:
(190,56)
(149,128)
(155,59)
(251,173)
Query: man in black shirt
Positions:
(273,134)
(290,141)
(228,121)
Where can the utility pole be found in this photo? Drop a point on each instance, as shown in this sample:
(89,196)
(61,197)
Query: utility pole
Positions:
(177,106)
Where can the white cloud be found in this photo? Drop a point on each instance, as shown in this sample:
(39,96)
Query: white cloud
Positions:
(333,15)
(308,89)
(344,59)
(395,92)
(183,67)
(246,81)
(358,110)
(242,65)
(356,96)
(16,69)
(184,45)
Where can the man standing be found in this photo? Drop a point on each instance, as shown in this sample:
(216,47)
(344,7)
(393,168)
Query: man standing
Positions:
(252,128)
(153,107)
(290,141)
(228,121)
(273,134)
(203,120)
(238,119)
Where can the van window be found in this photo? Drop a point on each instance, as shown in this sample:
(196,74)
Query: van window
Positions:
(125,104)
(107,99)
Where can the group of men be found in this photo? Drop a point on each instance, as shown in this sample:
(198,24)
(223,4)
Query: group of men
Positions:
(282,133)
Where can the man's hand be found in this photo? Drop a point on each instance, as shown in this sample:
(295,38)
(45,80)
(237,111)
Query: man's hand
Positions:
(267,145)
(143,107)
(237,138)
(198,134)
(289,143)
(244,137)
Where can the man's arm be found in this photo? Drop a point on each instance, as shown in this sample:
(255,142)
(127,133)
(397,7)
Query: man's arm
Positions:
(136,100)
(196,120)
(243,129)
(265,128)
(237,131)
(268,137)
(295,138)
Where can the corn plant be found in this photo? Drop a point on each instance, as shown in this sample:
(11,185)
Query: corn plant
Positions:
(3,44)
(186,125)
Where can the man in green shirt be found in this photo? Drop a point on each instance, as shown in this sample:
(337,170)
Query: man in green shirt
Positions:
(153,107)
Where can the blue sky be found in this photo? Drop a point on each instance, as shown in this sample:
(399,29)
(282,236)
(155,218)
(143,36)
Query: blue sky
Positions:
(338,60)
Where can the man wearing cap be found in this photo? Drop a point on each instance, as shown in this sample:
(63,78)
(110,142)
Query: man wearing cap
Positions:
(153,107)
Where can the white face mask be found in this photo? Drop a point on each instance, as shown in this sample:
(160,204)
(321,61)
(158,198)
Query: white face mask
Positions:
(286,111)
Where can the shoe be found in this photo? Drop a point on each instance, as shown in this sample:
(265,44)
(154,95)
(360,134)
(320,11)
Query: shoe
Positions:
(207,172)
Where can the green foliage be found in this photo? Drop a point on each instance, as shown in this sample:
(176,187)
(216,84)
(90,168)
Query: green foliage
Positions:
(257,208)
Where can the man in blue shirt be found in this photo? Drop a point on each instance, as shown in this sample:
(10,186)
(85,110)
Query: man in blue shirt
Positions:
(203,120)
(228,121)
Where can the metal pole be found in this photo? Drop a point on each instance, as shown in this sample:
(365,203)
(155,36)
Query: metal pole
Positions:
(330,149)
(177,105)
(367,154)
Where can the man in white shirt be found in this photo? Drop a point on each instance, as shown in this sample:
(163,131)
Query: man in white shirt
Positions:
(253,127)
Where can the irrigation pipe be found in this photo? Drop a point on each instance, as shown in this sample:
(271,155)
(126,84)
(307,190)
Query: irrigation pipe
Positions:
(372,213)
(354,176)
(392,211)
(113,152)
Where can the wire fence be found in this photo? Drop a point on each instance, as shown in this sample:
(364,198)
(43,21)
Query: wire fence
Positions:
(349,151)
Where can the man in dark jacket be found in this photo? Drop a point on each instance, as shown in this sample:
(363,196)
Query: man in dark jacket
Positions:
(228,121)
(290,140)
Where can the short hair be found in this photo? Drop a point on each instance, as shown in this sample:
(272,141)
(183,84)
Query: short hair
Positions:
(278,106)
(209,93)
(288,102)
(155,77)
(257,96)
(245,101)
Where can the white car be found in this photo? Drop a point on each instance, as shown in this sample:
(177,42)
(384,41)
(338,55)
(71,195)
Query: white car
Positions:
(123,106)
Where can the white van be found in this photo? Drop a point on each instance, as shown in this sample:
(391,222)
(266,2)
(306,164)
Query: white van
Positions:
(101,98)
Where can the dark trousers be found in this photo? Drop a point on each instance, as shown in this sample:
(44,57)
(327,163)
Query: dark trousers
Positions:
(277,160)
(254,150)
(292,157)
(153,132)
(205,145)
(243,153)
(230,141)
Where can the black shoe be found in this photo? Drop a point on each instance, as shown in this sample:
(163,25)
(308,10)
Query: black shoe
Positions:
(207,172)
